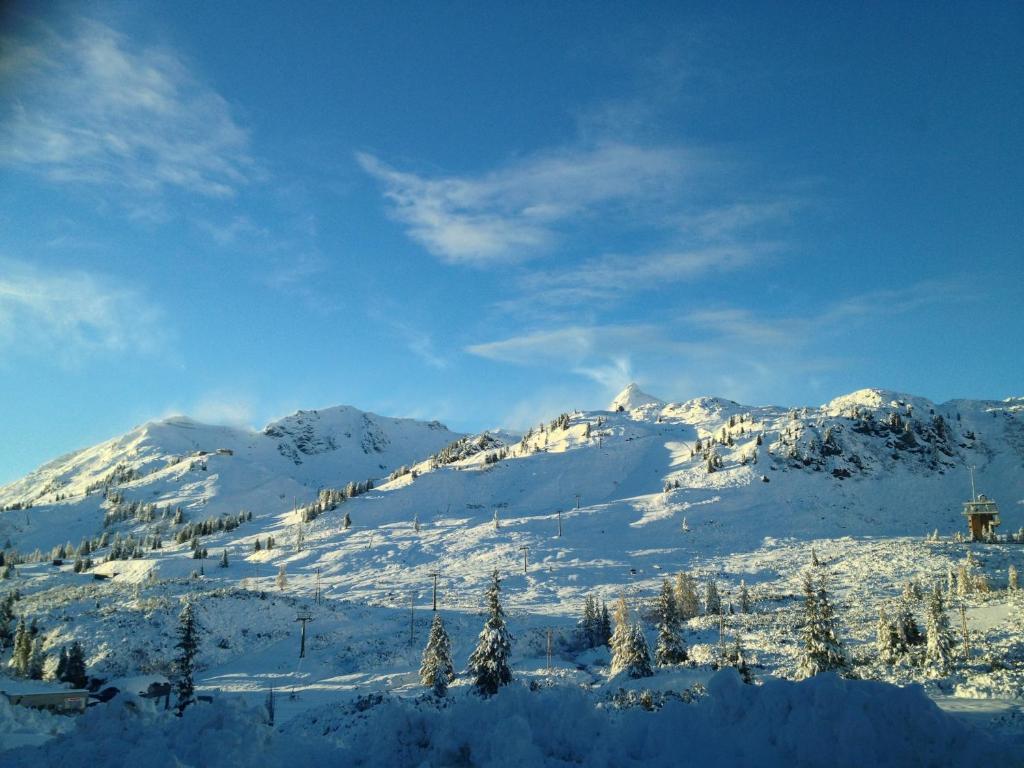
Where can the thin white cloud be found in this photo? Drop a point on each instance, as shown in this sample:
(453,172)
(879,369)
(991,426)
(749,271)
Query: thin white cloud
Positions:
(731,351)
(615,276)
(92,107)
(512,213)
(69,316)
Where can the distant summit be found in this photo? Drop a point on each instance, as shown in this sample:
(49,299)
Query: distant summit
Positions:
(631,398)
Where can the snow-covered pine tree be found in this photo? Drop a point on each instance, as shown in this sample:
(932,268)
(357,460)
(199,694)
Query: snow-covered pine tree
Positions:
(62,665)
(620,635)
(822,650)
(346,522)
(75,673)
(938,653)
(489,662)
(670,648)
(887,638)
(1011,578)
(590,623)
(737,657)
(224,559)
(687,602)
(22,649)
(36,659)
(744,597)
(436,669)
(282,577)
(712,600)
(638,658)
(606,625)
(188,646)
(906,626)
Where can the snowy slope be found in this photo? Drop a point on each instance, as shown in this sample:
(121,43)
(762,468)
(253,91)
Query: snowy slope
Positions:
(709,486)
(212,470)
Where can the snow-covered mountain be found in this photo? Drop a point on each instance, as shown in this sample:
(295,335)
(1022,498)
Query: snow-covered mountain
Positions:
(869,462)
(213,470)
(591,503)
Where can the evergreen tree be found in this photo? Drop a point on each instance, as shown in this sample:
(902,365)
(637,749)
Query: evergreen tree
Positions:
(744,597)
(939,650)
(670,648)
(489,662)
(282,577)
(712,600)
(224,559)
(1011,578)
(62,665)
(436,669)
(633,658)
(75,671)
(737,657)
(606,625)
(687,602)
(822,650)
(22,649)
(346,523)
(906,626)
(188,645)
(887,638)
(36,659)
(256,547)
(590,623)
(620,635)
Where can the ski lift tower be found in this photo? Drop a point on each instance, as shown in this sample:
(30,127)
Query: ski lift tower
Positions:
(304,617)
(981,512)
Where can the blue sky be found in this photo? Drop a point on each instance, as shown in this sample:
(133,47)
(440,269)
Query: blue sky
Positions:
(487,214)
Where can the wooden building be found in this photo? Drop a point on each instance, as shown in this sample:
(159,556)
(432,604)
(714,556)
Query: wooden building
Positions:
(982,517)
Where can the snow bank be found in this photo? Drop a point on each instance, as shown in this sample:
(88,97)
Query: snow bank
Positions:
(132,732)
(825,721)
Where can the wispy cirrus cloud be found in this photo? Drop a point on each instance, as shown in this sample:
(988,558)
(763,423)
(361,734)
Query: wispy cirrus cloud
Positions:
(514,212)
(733,351)
(72,315)
(91,107)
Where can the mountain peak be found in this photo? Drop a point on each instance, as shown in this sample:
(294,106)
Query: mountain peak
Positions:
(633,397)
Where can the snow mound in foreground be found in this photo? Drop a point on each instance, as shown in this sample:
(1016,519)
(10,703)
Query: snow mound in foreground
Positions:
(825,721)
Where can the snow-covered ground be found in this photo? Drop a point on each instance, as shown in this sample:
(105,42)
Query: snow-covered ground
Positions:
(605,503)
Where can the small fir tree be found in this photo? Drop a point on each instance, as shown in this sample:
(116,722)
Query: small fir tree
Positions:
(22,649)
(736,657)
(282,577)
(939,649)
(744,597)
(62,665)
(436,669)
(75,673)
(188,646)
(1011,578)
(712,600)
(620,635)
(906,625)
(887,638)
(36,659)
(687,602)
(635,659)
(489,663)
(606,625)
(670,648)
(224,559)
(589,625)
(822,650)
